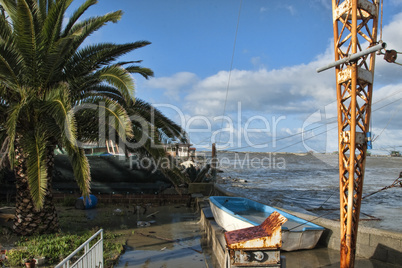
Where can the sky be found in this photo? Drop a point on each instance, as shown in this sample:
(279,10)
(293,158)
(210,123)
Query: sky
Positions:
(242,73)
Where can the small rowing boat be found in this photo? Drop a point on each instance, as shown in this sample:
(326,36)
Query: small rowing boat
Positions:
(233,213)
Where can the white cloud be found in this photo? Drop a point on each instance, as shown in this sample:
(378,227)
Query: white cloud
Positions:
(294,89)
(295,92)
(173,85)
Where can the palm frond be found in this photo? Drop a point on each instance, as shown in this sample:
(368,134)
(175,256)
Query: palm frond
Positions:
(52,23)
(76,15)
(5,30)
(42,4)
(35,147)
(166,165)
(115,112)
(153,115)
(9,66)
(11,126)
(100,117)
(145,72)
(119,78)
(89,26)
(10,8)
(4,150)
(57,104)
(26,30)
(52,70)
(81,168)
(99,55)
(98,92)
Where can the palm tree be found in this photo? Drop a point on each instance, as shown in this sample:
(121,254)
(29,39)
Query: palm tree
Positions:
(44,74)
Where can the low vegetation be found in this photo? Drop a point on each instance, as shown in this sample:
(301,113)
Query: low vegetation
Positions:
(55,247)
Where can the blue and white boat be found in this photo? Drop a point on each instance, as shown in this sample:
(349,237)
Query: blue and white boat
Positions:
(233,213)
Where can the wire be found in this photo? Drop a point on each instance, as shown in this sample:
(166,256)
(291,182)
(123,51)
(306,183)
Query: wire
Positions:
(392,95)
(389,121)
(300,133)
(392,102)
(316,218)
(231,67)
(305,139)
(381,20)
(283,138)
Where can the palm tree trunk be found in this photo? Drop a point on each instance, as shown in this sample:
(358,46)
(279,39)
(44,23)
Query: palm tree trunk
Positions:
(28,220)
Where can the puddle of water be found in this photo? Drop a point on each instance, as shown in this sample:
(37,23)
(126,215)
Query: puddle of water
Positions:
(174,240)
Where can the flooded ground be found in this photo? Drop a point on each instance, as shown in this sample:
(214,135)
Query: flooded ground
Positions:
(167,236)
(306,183)
(173,240)
(309,183)
(174,237)
(329,258)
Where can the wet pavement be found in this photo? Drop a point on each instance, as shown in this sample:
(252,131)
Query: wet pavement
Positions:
(172,240)
(175,239)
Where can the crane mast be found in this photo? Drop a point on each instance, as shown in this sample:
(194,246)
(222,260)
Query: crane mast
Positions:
(355,28)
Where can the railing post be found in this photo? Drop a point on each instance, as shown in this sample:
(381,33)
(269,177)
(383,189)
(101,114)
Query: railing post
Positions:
(91,257)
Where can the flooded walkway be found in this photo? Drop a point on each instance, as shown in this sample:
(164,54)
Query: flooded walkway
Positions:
(172,240)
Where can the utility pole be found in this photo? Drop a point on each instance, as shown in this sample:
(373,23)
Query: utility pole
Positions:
(355,28)
(214,162)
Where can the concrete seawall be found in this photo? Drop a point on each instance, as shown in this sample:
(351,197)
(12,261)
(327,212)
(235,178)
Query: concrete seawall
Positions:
(385,246)
(372,243)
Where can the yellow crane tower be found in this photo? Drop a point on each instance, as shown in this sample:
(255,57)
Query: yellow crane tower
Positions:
(355,38)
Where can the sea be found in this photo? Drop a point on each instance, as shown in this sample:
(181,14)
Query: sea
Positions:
(309,183)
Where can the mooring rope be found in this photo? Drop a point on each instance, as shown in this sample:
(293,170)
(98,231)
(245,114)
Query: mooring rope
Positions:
(396,183)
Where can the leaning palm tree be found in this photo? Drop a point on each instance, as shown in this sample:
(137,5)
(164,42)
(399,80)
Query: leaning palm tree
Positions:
(45,74)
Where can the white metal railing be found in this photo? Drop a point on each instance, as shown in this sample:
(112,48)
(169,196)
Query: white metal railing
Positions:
(92,257)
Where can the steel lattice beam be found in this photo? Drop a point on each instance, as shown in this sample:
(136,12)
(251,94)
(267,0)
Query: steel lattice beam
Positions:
(355,29)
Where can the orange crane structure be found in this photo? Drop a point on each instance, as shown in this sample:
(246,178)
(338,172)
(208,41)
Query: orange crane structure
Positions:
(355,24)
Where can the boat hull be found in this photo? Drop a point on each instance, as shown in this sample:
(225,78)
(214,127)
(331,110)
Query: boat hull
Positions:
(233,213)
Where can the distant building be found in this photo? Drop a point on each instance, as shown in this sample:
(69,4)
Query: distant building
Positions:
(182,150)
(93,148)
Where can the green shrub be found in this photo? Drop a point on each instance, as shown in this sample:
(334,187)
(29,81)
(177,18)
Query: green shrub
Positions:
(56,247)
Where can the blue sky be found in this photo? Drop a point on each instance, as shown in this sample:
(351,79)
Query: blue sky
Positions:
(273,92)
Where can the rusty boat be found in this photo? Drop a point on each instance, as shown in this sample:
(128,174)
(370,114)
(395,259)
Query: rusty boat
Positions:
(234,213)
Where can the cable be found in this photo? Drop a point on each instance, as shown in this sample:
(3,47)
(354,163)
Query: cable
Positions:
(283,138)
(381,20)
(322,215)
(304,140)
(231,67)
(300,133)
(389,121)
(388,104)
(392,95)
